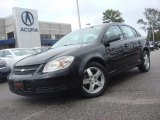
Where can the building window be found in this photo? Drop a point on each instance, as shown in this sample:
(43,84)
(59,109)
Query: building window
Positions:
(45,36)
(10,35)
(57,37)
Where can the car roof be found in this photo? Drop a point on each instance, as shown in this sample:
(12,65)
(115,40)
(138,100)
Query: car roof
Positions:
(109,24)
(116,23)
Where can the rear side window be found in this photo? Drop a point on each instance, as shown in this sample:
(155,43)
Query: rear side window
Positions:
(1,53)
(129,32)
(113,31)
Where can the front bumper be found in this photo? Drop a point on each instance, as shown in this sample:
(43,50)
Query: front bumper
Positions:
(42,84)
(37,87)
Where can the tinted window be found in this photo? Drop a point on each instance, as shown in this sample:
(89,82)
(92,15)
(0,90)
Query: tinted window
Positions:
(128,32)
(112,31)
(135,32)
(6,53)
(1,53)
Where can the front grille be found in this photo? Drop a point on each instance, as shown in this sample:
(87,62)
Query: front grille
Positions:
(25,70)
(57,86)
(39,86)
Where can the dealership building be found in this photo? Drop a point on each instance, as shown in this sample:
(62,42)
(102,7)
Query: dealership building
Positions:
(23,30)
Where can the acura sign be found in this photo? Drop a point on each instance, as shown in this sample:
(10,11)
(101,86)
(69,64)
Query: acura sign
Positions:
(28,20)
(27,28)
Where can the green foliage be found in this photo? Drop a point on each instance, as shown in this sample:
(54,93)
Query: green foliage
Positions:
(112,16)
(152,18)
(157,36)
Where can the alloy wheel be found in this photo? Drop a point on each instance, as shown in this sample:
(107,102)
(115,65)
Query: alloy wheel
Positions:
(146,61)
(93,80)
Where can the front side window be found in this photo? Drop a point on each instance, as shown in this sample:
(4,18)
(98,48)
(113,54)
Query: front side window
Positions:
(113,31)
(88,35)
(128,32)
(7,53)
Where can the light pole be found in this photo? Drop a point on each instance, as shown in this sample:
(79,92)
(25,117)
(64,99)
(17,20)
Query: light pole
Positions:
(79,20)
(153,33)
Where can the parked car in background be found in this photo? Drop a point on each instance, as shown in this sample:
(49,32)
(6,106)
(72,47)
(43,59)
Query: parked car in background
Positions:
(4,70)
(82,60)
(157,44)
(153,45)
(11,56)
(39,49)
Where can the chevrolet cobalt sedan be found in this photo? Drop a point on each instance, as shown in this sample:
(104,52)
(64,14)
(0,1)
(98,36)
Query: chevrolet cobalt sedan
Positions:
(82,60)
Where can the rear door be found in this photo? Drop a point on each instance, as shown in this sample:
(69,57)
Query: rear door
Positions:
(132,45)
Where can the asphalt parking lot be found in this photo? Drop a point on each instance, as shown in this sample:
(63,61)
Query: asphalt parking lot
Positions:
(130,96)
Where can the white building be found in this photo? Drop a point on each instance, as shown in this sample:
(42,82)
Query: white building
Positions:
(22,29)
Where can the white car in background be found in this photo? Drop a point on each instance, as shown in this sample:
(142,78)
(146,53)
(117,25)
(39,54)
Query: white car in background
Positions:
(11,56)
(39,49)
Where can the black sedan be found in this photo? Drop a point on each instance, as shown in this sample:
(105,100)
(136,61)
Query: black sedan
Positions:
(4,70)
(82,60)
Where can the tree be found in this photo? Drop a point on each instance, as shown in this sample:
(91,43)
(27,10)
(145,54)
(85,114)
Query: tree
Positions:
(112,16)
(151,22)
(157,36)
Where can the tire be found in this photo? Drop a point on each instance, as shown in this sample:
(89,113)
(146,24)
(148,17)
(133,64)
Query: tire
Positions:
(145,65)
(94,80)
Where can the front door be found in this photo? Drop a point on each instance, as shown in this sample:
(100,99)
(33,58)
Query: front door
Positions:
(115,50)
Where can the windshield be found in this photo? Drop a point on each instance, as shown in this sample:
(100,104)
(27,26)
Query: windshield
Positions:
(88,35)
(21,52)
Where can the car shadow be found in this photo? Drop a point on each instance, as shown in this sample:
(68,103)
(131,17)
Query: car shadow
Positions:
(123,77)
(54,99)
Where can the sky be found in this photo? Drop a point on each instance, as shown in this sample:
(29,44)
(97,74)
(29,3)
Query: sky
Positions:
(65,11)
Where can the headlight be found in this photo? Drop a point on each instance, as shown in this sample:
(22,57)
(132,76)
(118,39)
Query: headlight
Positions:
(58,64)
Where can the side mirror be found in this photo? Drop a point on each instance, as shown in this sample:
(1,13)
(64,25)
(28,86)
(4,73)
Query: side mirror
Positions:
(112,39)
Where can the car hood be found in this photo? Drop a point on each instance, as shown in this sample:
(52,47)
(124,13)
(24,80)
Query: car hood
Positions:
(43,57)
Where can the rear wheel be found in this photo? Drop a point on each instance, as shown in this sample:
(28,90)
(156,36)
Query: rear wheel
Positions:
(145,65)
(94,80)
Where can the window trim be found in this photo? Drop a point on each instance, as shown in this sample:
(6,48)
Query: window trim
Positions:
(105,36)
(121,26)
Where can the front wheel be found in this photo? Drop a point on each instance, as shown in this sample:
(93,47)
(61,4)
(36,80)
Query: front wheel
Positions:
(94,80)
(145,65)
